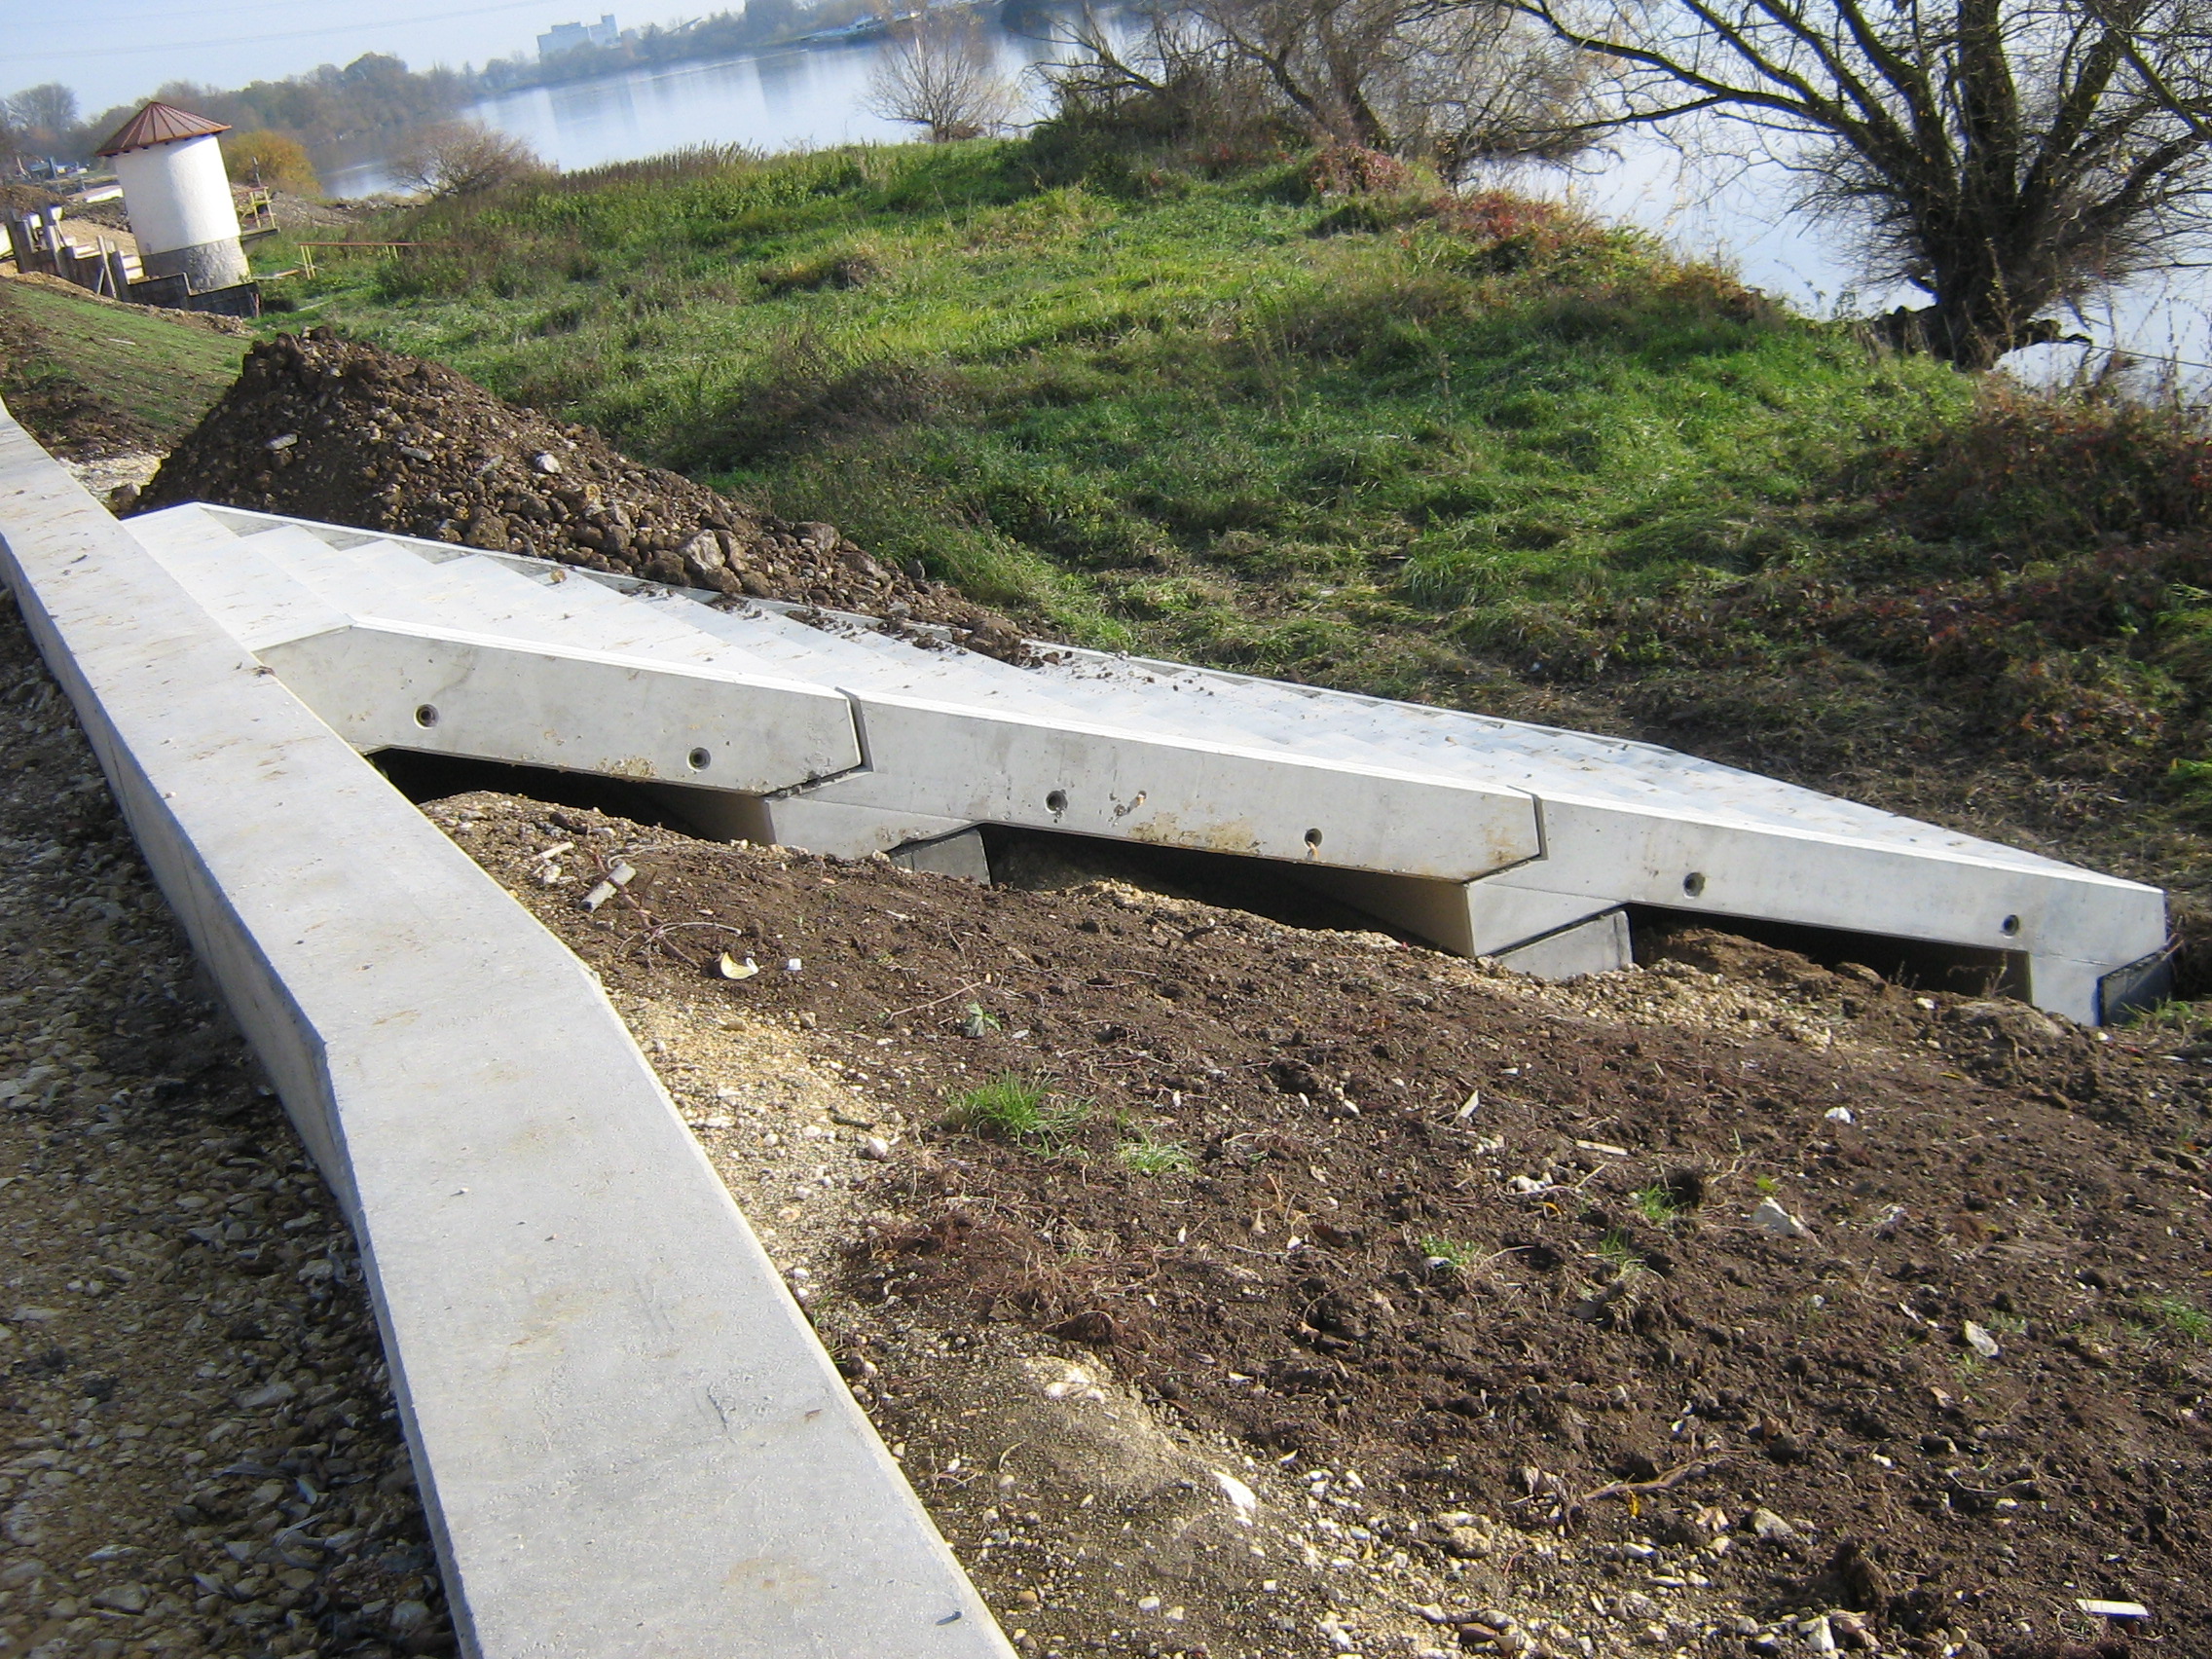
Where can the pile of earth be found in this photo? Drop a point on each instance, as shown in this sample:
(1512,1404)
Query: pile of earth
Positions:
(20,196)
(347,433)
(1899,1292)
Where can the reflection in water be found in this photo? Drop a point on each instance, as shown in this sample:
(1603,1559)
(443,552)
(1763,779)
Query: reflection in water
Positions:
(793,99)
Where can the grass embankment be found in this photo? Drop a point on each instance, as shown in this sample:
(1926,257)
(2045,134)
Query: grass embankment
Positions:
(1470,452)
(87,375)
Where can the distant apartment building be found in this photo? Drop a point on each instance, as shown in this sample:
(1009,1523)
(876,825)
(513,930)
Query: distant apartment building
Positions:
(566,37)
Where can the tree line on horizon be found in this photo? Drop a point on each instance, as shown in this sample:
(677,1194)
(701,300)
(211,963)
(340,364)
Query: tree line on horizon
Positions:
(376,92)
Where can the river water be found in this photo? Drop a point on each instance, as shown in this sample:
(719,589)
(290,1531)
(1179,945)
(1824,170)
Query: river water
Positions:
(790,98)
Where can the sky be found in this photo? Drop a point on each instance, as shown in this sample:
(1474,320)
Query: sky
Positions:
(115,51)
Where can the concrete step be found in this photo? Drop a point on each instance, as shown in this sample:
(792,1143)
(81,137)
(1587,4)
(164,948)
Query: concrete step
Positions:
(864,658)
(472,594)
(262,603)
(1484,834)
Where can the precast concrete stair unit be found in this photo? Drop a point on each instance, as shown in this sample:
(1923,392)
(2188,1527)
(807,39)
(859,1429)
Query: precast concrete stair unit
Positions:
(840,735)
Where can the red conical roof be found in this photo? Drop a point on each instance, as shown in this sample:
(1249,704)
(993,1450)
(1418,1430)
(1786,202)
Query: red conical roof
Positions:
(158,124)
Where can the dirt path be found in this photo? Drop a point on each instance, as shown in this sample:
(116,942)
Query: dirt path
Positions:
(201,1454)
(1728,1306)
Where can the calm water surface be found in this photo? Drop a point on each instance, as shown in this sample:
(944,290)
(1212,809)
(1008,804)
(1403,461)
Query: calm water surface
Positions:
(796,98)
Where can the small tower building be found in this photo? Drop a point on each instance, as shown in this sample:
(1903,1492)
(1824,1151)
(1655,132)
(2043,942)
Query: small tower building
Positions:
(178,195)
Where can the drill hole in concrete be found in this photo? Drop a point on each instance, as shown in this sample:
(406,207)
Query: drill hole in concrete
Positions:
(1694,883)
(1056,801)
(427,716)
(1313,838)
(2010,926)
(699,759)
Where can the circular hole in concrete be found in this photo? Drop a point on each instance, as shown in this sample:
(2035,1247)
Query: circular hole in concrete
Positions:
(427,716)
(1694,883)
(699,759)
(2010,926)
(1312,837)
(1056,801)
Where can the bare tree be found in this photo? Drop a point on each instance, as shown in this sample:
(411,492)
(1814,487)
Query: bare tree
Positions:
(1177,83)
(940,76)
(44,114)
(1451,81)
(2005,157)
(463,158)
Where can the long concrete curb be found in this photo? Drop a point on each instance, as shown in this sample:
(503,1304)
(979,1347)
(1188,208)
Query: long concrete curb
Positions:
(629,1440)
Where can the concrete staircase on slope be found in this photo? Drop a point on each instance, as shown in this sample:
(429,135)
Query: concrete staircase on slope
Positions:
(1487,836)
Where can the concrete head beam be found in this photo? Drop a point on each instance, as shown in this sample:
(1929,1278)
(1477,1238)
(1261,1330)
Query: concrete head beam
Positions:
(629,1440)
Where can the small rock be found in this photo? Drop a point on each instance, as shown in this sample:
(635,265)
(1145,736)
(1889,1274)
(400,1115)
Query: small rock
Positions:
(1850,1631)
(1819,1637)
(268,1394)
(408,1617)
(2013,1022)
(1771,1218)
(1839,1115)
(1771,1528)
(126,1598)
(548,464)
(875,1148)
(284,441)
(1464,1543)
(1979,1339)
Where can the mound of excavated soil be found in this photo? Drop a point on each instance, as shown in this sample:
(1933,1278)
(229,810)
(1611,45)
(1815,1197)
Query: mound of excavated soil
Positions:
(331,429)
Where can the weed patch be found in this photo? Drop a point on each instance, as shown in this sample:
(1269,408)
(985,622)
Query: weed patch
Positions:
(1012,1107)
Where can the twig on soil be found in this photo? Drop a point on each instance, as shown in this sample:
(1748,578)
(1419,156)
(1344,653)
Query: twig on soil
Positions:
(1634,1492)
(916,1008)
(657,938)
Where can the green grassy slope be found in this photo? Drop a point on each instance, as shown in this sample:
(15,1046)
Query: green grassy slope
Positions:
(1199,404)
(1463,451)
(150,377)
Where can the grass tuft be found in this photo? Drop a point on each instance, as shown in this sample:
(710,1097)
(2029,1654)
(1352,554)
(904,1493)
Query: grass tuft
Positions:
(1020,1108)
(1657,1204)
(1619,1254)
(1460,1253)
(1145,1155)
(2179,1315)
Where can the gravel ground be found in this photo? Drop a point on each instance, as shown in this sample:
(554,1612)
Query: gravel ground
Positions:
(199,1452)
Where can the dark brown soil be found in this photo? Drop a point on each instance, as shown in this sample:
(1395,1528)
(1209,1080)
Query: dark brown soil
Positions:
(1492,1243)
(351,434)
